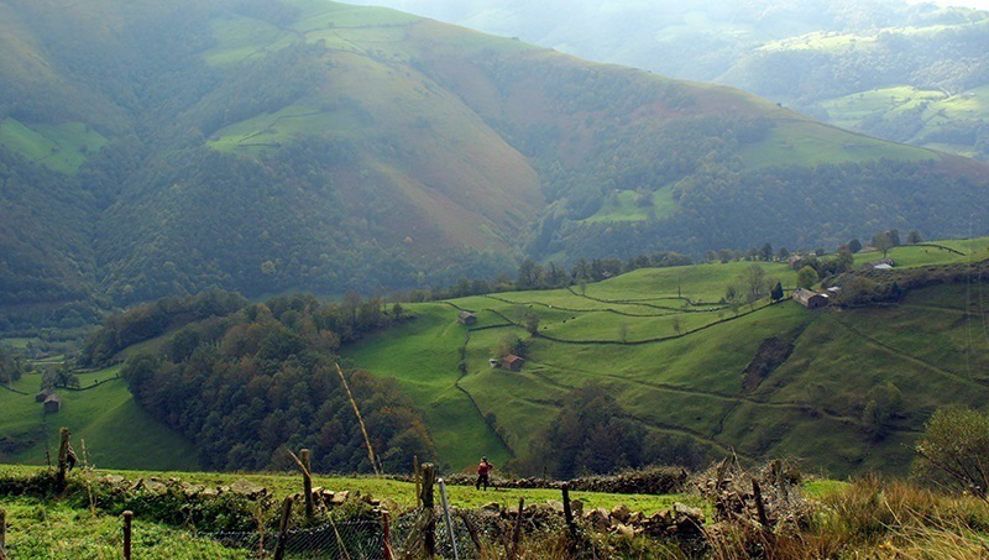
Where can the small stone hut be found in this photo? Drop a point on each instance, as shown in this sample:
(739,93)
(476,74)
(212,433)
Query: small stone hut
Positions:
(512,362)
(467,318)
(53,403)
(810,299)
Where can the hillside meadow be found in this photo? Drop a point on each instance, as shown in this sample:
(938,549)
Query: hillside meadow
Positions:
(660,342)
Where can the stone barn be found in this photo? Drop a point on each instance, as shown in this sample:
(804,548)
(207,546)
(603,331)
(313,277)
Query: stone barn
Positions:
(512,362)
(53,403)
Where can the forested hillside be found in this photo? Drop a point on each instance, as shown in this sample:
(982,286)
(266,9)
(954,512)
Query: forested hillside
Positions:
(153,149)
(909,72)
(246,382)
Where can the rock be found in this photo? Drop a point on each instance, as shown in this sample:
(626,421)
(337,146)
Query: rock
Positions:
(492,506)
(687,511)
(636,518)
(578,507)
(156,486)
(621,513)
(245,488)
(339,497)
(598,518)
(210,491)
(625,530)
(555,506)
(113,479)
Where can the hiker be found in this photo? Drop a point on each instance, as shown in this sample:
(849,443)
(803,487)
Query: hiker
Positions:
(482,473)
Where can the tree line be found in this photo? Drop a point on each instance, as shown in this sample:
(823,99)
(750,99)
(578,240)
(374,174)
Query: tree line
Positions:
(250,385)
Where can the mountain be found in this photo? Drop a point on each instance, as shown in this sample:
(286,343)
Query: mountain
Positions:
(912,73)
(149,149)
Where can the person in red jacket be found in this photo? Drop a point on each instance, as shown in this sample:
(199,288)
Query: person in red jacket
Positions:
(482,473)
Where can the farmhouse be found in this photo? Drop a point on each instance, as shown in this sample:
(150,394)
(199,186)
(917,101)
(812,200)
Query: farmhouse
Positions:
(512,362)
(809,299)
(467,318)
(42,396)
(53,403)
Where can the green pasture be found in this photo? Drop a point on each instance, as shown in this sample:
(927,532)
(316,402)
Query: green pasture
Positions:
(809,143)
(934,253)
(930,348)
(62,147)
(422,356)
(116,431)
(934,109)
(702,284)
(622,207)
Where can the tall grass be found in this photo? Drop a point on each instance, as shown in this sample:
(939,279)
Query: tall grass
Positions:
(870,519)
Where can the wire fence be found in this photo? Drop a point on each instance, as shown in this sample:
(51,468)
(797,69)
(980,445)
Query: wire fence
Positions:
(333,540)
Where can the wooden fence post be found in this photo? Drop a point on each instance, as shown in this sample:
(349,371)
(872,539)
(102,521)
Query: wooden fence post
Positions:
(128,519)
(307,483)
(567,511)
(63,458)
(283,529)
(759,506)
(3,534)
(386,533)
(429,531)
(472,531)
(417,475)
(517,531)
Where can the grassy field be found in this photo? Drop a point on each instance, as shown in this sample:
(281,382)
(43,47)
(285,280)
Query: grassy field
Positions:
(63,147)
(622,207)
(658,340)
(934,109)
(115,430)
(808,143)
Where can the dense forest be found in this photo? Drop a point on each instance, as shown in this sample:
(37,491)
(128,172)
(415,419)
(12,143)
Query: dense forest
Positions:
(152,150)
(246,386)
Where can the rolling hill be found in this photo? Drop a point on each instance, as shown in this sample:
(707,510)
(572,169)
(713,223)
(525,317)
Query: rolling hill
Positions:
(687,369)
(911,72)
(262,147)
(691,376)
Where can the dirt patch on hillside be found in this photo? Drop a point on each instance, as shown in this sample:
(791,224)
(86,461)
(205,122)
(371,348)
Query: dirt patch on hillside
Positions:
(772,353)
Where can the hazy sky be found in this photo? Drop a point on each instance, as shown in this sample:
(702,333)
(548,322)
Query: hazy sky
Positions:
(980,4)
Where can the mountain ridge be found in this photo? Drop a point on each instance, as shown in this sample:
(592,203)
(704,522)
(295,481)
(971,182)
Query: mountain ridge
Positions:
(313,145)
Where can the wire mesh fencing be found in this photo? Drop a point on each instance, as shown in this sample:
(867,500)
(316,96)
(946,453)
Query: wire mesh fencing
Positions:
(333,540)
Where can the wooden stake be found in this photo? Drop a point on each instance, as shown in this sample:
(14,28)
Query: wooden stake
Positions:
(307,484)
(386,553)
(3,534)
(63,457)
(283,529)
(517,531)
(472,531)
(360,420)
(429,532)
(417,475)
(759,506)
(128,519)
(567,512)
